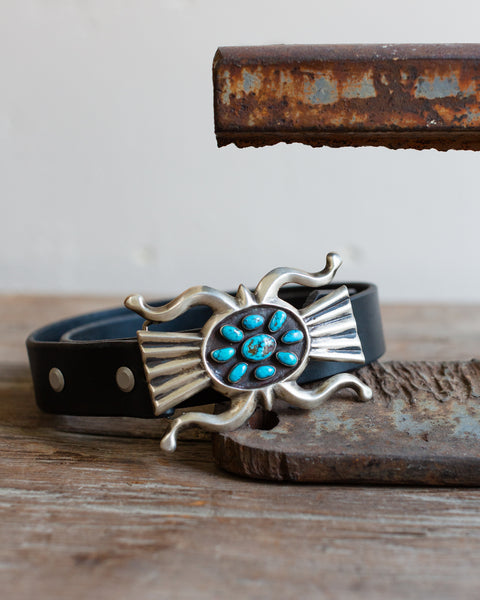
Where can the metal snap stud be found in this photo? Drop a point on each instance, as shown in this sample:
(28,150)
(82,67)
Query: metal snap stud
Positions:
(56,379)
(125,379)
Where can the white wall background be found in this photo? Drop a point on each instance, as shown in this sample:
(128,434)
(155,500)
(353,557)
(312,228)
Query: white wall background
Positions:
(111,181)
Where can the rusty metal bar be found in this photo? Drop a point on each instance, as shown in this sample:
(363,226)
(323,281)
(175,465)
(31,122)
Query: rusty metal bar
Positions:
(398,96)
(421,428)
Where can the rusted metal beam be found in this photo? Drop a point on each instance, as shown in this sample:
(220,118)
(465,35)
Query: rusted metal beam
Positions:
(398,96)
(421,428)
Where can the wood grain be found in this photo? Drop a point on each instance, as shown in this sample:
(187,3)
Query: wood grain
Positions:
(95,516)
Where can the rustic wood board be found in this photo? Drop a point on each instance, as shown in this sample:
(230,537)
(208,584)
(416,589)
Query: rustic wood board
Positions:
(110,517)
(421,428)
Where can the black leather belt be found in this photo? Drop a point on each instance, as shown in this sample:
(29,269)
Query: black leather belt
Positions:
(88,350)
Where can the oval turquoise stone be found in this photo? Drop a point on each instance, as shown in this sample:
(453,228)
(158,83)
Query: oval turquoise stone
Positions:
(231,333)
(259,347)
(293,336)
(237,372)
(289,359)
(278,319)
(264,372)
(252,321)
(223,354)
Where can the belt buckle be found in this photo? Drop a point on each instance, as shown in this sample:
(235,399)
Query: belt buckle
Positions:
(252,349)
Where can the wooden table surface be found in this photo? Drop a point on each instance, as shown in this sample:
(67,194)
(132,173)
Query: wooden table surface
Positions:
(95,516)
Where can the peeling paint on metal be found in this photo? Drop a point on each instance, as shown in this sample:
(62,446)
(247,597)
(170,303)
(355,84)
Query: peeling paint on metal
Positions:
(334,423)
(285,79)
(269,435)
(472,117)
(460,419)
(467,425)
(251,81)
(322,90)
(227,88)
(438,87)
(470,90)
(360,88)
(413,423)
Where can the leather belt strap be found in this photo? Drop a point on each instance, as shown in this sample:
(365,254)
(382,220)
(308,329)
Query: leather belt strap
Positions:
(89,350)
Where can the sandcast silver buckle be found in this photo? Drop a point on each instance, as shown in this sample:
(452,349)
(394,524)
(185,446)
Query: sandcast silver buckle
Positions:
(252,349)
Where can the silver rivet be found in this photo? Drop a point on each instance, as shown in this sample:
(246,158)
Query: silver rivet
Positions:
(56,379)
(125,379)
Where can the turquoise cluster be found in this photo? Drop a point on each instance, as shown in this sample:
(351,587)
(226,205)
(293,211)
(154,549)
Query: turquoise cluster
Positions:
(259,347)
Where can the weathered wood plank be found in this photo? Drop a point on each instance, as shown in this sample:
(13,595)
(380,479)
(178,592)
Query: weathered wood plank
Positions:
(111,517)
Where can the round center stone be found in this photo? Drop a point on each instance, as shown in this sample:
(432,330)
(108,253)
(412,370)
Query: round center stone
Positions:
(259,347)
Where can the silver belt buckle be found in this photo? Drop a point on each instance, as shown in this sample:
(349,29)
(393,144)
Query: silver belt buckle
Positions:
(252,349)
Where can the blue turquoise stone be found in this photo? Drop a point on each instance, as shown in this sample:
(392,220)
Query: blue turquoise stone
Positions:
(252,322)
(264,372)
(259,347)
(289,359)
(231,333)
(278,319)
(223,354)
(293,336)
(237,372)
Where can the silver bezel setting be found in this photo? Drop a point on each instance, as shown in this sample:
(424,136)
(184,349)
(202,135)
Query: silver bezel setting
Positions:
(231,390)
